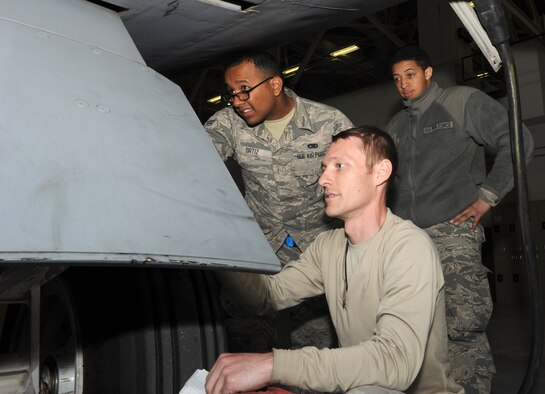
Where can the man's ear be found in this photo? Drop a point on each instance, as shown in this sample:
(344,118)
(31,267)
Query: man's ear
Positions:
(428,72)
(383,170)
(277,84)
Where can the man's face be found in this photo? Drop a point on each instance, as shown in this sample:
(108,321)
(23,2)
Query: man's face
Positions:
(260,105)
(348,184)
(410,79)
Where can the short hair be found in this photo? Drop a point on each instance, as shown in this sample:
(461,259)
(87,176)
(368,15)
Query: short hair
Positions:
(420,56)
(263,61)
(376,143)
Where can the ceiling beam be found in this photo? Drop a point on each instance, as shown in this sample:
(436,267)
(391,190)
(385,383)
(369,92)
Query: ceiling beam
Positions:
(386,31)
(306,59)
(522,17)
(533,10)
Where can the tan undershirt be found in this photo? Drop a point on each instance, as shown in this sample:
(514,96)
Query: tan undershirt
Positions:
(355,254)
(277,127)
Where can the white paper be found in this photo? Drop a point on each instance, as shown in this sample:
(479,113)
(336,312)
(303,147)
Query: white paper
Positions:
(195,384)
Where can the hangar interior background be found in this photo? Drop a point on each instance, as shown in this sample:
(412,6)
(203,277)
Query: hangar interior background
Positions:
(359,84)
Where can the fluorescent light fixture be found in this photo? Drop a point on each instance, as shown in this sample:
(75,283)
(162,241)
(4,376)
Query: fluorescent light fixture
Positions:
(214,100)
(482,75)
(222,4)
(344,51)
(471,22)
(290,70)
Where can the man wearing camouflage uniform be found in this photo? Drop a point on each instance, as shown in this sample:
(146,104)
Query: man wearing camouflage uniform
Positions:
(279,141)
(442,183)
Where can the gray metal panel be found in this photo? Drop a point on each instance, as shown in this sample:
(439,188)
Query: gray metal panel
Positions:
(75,19)
(103,159)
(186,34)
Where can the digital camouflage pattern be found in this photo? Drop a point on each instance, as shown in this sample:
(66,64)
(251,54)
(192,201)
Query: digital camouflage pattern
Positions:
(468,304)
(281,188)
(281,177)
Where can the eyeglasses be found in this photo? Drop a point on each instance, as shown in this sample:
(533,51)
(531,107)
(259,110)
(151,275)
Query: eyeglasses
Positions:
(242,95)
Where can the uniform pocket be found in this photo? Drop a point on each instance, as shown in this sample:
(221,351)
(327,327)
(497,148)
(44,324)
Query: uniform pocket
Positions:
(307,172)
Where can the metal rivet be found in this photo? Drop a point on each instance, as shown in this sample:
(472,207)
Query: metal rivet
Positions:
(96,51)
(81,104)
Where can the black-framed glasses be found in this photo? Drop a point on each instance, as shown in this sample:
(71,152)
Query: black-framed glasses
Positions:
(242,95)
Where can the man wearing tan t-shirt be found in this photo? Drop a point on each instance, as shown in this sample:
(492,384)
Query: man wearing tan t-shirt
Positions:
(383,283)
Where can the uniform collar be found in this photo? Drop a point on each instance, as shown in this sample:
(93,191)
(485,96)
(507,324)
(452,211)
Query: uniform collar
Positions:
(301,116)
(423,102)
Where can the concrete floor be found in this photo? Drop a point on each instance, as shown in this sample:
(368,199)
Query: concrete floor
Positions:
(510,336)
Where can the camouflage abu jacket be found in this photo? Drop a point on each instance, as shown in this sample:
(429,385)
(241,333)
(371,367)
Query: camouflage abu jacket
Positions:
(281,177)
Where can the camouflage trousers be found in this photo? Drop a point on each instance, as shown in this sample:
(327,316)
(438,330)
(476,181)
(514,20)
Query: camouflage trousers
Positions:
(468,304)
(306,324)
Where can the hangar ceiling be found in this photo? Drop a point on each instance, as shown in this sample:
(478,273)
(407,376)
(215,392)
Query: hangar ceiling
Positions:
(377,34)
(321,76)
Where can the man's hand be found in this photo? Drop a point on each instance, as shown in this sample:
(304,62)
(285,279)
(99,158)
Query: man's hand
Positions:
(238,372)
(475,210)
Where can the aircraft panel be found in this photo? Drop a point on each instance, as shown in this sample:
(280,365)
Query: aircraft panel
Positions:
(103,159)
